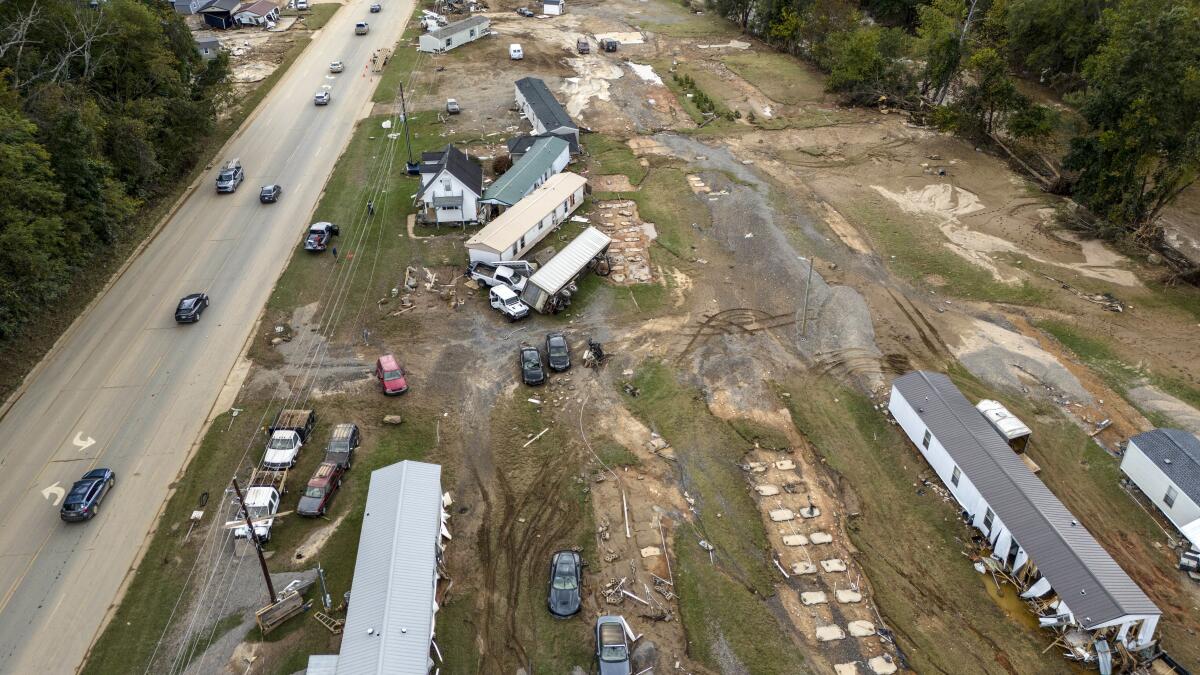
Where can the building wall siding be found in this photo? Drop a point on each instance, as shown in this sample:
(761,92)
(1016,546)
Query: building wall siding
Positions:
(1153,483)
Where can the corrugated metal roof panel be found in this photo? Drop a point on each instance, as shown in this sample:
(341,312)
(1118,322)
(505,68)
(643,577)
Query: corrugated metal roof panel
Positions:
(1082,573)
(505,230)
(395,573)
(574,256)
(457,27)
(1177,454)
(547,108)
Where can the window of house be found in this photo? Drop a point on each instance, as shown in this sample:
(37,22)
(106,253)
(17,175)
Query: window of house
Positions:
(446,184)
(925,441)
(956,475)
(449,41)
(988,517)
(472,33)
(1169,499)
(522,242)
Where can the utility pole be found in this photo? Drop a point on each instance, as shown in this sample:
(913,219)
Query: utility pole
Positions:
(807,287)
(254,538)
(412,167)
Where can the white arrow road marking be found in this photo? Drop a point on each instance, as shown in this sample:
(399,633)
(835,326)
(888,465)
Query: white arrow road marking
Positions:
(57,491)
(83,443)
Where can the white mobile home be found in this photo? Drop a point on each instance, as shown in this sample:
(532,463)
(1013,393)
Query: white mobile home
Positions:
(458,33)
(554,7)
(1165,465)
(545,158)
(1029,530)
(545,291)
(544,111)
(513,233)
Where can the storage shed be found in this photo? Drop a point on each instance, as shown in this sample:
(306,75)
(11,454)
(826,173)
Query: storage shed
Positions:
(458,33)
(521,227)
(395,592)
(547,156)
(545,290)
(544,111)
(1165,465)
(1029,530)
(554,7)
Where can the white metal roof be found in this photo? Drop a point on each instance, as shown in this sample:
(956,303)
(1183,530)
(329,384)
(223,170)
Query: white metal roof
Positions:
(564,266)
(1005,422)
(390,622)
(500,234)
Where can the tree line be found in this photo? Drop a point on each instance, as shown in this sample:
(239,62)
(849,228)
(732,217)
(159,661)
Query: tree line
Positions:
(103,107)
(1130,68)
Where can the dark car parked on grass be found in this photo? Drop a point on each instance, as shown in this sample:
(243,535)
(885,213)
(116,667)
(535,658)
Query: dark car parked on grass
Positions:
(270,194)
(530,360)
(342,444)
(558,352)
(566,580)
(319,492)
(190,308)
(83,501)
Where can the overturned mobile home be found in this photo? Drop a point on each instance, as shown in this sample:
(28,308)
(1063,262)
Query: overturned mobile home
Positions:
(1057,562)
(549,289)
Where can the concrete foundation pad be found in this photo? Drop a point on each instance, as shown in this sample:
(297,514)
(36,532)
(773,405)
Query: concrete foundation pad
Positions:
(766,490)
(833,565)
(820,537)
(882,665)
(830,633)
(795,540)
(808,512)
(813,598)
(846,668)
(846,596)
(861,628)
(804,568)
(651,551)
(756,467)
(785,465)
(782,515)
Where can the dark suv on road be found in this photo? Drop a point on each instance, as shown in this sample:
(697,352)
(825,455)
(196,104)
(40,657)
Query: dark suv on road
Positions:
(83,501)
(190,308)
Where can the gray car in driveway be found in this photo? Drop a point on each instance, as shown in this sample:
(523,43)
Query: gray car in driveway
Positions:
(612,646)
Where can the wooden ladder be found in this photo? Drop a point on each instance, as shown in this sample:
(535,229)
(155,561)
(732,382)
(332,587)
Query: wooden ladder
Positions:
(334,625)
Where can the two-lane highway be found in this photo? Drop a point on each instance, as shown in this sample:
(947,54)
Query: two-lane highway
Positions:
(128,389)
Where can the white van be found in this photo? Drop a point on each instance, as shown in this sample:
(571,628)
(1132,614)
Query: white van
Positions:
(515,52)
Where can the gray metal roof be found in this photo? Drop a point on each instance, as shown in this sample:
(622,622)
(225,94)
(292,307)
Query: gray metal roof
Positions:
(1177,454)
(547,108)
(574,257)
(1083,574)
(395,573)
(522,177)
(457,27)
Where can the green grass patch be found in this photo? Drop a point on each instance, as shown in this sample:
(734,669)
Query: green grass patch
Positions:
(613,454)
(710,473)
(764,436)
(780,77)
(675,20)
(457,627)
(914,249)
(665,199)
(611,156)
(318,15)
(715,608)
(404,58)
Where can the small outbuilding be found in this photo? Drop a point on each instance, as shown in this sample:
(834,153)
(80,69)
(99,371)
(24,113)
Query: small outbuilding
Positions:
(1165,465)
(458,33)
(548,290)
(208,47)
(554,7)
(511,235)
(547,156)
(544,111)
(219,13)
(451,185)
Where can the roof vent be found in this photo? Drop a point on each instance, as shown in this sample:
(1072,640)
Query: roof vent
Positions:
(1083,591)
(370,631)
(1074,522)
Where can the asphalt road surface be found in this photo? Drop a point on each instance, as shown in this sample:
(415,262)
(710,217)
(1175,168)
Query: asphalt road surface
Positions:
(129,389)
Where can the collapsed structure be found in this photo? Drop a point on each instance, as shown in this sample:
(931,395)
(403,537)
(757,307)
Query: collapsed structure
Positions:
(1072,582)
(397,576)
(549,289)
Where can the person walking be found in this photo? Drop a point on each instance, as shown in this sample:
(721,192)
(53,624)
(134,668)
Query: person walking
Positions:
(370,207)
(335,258)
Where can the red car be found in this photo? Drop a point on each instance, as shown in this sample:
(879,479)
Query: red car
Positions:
(390,375)
(317,494)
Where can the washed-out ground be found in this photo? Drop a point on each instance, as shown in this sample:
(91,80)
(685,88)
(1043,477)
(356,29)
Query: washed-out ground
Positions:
(732,466)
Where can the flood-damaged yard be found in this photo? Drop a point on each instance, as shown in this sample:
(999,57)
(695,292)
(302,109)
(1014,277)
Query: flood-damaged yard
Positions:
(730,475)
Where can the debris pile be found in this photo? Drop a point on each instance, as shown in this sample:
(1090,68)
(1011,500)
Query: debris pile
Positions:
(628,255)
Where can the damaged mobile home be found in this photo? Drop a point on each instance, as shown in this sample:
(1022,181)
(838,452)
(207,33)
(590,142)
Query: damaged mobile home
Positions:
(1071,581)
(399,578)
(550,288)
(1165,465)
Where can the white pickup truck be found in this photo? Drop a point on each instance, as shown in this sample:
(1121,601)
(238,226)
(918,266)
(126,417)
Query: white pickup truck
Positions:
(262,503)
(288,434)
(511,273)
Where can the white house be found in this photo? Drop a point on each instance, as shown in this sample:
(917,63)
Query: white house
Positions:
(1029,530)
(259,13)
(554,7)
(513,233)
(451,185)
(1165,465)
(458,33)
(544,111)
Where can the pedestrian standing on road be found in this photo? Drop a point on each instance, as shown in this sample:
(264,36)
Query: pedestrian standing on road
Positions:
(335,254)
(370,207)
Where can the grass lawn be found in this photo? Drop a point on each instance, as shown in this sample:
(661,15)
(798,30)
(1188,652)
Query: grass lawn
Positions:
(675,20)
(610,156)
(780,77)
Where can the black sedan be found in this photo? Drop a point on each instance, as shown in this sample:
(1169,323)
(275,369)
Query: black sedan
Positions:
(83,501)
(531,366)
(270,194)
(558,352)
(566,580)
(191,307)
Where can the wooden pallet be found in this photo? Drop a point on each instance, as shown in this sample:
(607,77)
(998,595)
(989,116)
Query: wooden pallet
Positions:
(334,625)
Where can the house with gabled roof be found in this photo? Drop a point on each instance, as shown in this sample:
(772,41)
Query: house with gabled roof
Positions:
(1165,465)
(545,158)
(451,186)
(544,111)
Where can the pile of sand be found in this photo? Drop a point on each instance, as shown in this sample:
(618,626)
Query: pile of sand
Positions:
(942,200)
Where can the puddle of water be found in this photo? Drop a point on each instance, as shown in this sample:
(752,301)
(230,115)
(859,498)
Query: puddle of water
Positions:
(1010,602)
